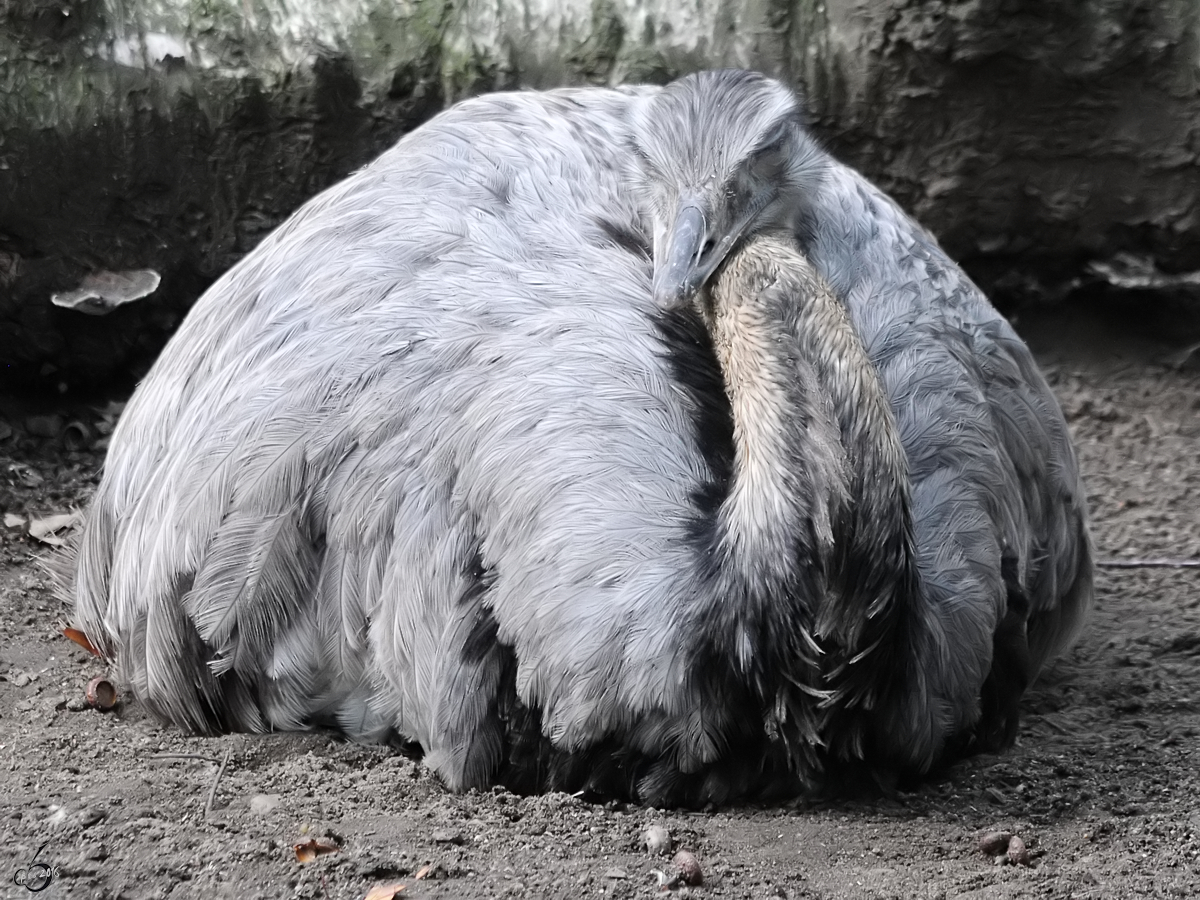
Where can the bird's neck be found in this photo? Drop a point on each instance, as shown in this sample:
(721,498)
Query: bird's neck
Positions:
(789,478)
(862,620)
(814,534)
(875,538)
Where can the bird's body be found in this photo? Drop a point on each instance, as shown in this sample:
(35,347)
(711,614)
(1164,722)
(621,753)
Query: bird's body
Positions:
(434,462)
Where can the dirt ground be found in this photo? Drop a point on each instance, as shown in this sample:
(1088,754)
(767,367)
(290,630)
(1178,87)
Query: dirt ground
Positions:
(1103,785)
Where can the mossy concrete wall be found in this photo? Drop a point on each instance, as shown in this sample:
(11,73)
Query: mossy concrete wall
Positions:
(1036,137)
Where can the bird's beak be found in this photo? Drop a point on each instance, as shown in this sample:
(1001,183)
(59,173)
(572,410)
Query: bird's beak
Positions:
(680,266)
(687,252)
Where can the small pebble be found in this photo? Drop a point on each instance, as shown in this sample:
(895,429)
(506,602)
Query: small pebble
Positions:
(44,426)
(1018,853)
(21,679)
(76,704)
(616,873)
(688,867)
(657,840)
(90,815)
(447,836)
(994,843)
(93,851)
(261,804)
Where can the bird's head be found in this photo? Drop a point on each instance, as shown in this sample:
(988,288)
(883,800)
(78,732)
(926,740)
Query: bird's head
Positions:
(722,155)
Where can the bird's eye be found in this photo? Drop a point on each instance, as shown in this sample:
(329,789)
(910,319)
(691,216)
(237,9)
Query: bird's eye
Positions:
(775,139)
(771,156)
(770,162)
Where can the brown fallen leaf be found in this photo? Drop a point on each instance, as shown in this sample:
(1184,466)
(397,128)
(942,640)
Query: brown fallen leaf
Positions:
(80,638)
(423,872)
(384,891)
(307,851)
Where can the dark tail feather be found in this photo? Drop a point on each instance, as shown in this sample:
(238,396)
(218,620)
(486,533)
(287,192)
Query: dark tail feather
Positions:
(1011,673)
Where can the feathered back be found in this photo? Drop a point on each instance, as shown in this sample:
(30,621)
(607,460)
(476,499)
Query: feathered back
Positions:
(998,507)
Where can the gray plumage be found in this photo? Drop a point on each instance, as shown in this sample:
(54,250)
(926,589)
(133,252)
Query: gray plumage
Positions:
(519,444)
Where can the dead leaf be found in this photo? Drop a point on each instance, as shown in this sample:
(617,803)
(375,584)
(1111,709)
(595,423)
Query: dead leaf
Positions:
(80,638)
(423,872)
(307,851)
(1132,272)
(102,292)
(12,520)
(384,891)
(46,528)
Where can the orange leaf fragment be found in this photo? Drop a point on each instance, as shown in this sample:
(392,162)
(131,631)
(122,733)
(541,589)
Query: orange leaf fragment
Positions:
(423,872)
(81,639)
(384,891)
(307,851)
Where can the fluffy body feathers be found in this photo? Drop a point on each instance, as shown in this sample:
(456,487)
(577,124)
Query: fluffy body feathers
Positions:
(433,464)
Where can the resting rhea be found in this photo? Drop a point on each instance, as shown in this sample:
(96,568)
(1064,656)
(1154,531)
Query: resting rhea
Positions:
(661,455)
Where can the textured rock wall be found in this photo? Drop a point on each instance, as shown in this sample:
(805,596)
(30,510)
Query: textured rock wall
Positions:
(1051,144)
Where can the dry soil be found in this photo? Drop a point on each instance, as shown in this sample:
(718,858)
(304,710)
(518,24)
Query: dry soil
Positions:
(1103,784)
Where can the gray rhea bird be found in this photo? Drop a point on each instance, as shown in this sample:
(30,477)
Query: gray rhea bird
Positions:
(596,439)
(960,573)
